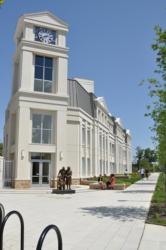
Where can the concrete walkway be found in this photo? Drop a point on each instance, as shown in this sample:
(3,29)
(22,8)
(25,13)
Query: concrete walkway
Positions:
(89,219)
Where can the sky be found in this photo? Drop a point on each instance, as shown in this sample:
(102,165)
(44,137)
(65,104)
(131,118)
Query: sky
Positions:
(109,42)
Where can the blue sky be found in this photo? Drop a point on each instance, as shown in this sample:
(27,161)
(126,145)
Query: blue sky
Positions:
(110,43)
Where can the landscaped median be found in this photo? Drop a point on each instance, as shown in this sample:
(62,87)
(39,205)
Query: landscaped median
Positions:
(122,181)
(157,211)
(103,186)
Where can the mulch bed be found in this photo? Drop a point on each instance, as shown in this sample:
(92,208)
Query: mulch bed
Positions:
(157,214)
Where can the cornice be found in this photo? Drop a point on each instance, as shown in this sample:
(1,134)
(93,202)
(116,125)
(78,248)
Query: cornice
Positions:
(47,25)
(79,110)
(41,95)
(48,47)
(34,46)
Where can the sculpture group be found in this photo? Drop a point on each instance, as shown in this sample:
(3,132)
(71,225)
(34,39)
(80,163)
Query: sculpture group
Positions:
(64,179)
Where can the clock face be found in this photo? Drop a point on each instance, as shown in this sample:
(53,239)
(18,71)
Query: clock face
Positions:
(45,35)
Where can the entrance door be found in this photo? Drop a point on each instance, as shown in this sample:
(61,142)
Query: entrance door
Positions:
(40,172)
(45,173)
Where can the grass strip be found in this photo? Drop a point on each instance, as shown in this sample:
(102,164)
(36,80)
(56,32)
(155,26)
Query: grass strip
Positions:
(157,211)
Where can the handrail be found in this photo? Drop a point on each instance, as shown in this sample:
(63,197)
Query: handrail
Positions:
(44,233)
(3,225)
(2,213)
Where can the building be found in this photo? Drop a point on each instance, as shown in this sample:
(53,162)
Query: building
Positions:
(52,121)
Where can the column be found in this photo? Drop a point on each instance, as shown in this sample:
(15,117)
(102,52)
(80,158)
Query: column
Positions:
(22,163)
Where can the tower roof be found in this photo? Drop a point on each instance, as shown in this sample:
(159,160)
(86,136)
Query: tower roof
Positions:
(45,19)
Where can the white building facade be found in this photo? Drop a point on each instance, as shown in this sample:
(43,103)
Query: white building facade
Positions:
(52,121)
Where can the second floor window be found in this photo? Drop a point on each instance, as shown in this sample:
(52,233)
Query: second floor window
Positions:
(88,137)
(83,136)
(41,128)
(43,74)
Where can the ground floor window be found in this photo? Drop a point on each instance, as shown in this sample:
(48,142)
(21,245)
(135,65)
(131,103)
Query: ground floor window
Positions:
(100,167)
(88,166)
(83,167)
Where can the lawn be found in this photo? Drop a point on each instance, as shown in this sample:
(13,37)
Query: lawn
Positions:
(121,179)
(157,211)
(128,181)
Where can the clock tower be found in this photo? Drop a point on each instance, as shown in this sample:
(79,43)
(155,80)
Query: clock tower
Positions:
(38,105)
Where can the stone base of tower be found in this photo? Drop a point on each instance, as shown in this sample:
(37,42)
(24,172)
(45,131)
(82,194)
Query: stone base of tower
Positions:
(21,184)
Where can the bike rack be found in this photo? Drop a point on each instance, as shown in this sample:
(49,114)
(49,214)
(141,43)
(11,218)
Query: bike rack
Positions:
(3,225)
(44,233)
(3,220)
(2,213)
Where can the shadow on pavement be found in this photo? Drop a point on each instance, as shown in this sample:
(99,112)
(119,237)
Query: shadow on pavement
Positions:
(133,200)
(145,183)
(117,213)
(138,191)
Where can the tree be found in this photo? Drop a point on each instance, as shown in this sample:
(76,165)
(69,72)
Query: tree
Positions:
(157,91)
(145,157)
(150,155)
(139,156)
(1,2)
(146,164)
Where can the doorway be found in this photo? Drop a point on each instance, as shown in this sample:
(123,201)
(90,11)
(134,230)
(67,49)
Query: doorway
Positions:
(40,172)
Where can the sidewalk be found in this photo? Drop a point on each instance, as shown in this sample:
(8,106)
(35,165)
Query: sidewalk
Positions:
(154,237)
(88,220)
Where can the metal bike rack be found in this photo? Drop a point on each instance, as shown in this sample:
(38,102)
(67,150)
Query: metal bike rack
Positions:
(4,223)
(2,213)
(44,233)
(3,220)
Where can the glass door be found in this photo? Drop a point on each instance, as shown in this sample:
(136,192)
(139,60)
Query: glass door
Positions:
(35,173)
(40,172)
(45,173)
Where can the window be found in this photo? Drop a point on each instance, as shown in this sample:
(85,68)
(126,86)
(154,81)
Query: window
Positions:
(101,170)
(43,74)
(103,144)
(113,149)
(110,147)
(100,140)
(88,137)
(41,128)
(111,168)
(106,141)
(40,156)
(83,135)
(106,167)
(99,114)
(88,166)
(83,167)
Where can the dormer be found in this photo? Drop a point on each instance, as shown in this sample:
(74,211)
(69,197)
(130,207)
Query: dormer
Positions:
(43,28)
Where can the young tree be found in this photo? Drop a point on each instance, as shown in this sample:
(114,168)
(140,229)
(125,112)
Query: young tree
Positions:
(157,91)
(139,156)
(145,157)
(1,2)
(150,155)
